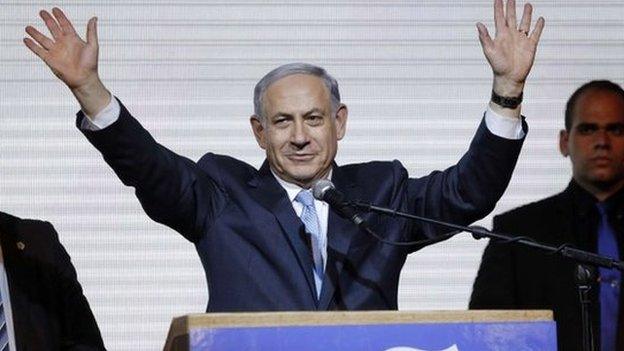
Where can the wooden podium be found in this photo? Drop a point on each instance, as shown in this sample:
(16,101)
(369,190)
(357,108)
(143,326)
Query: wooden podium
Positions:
(374,331)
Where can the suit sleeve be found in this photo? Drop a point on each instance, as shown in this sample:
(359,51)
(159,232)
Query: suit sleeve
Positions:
(468,191)
(171,188)
(79,330)
(495,285)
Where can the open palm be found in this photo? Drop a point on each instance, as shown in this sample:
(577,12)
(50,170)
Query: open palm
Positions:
(72,59)
(512,51)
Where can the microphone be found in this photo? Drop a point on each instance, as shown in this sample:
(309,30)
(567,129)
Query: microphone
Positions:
(324,190)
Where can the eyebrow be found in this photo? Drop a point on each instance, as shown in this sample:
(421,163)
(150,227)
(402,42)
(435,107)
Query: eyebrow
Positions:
(314,110)
(597,125)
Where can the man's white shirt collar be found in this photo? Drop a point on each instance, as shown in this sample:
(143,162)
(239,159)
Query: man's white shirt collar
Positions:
(293,189)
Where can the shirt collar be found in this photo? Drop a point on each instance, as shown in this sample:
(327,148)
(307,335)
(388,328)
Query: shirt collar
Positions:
(586,202)
(293,189)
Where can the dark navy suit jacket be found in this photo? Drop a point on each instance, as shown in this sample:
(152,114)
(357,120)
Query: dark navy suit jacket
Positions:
(50,311)
(251,242)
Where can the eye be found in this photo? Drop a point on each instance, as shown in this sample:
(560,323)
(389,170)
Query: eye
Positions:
(586,129)
(280,120)
(616,129)
(314,119)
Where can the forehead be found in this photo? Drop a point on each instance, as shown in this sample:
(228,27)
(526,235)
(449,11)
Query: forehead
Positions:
(297,89)
(599,107)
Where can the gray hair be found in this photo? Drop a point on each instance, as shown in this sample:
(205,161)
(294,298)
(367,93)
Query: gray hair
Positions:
(288,70)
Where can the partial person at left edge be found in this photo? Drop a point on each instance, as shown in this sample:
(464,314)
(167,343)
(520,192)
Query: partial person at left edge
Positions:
(43,306)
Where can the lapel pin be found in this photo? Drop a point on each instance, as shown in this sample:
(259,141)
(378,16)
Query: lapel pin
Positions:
(20,245)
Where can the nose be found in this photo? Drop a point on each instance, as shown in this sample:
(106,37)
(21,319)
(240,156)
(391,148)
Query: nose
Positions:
(602,139)
(299,137)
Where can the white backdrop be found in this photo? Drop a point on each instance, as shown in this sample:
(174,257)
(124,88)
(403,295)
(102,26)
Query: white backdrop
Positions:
(411,72)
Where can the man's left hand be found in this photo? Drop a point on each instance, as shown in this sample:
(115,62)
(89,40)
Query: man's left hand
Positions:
(512,51)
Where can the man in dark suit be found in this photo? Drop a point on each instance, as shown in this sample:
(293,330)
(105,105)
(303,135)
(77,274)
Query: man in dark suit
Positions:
(587,214)
(265,243)
(44,308)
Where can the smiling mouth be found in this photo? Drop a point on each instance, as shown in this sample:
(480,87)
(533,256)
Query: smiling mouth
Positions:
(300,157)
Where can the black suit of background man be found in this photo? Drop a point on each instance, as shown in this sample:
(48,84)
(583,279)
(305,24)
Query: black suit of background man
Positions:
(516,277)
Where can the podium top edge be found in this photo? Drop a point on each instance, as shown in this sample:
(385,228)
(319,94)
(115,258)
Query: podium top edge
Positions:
(268,319)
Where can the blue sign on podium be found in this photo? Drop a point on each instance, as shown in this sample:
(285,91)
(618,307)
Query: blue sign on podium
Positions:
(367,331)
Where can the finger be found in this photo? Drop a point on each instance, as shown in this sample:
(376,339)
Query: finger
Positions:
(511,14)
(92,38)
(63,21)
(525,23)
(537,31)
(51,23)
(41,39)
(38,50)
(499,16)
(484,37)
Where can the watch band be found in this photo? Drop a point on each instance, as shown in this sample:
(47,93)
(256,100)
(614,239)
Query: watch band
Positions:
(506,101)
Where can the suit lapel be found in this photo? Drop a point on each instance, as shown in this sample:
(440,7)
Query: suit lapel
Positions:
(566,232)
(266,190)
(581,229)
(340,235)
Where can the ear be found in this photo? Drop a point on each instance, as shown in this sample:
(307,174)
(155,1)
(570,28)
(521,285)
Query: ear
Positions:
(341,121)
(259,131)
(564,137)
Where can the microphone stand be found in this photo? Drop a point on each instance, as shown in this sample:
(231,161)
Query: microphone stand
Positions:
(584,275)
(565,250)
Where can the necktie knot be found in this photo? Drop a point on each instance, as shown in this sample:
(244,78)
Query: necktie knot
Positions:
(603,208)
(305,198)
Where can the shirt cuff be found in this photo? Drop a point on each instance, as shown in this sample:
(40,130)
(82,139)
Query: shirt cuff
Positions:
(104,118)
(504,127)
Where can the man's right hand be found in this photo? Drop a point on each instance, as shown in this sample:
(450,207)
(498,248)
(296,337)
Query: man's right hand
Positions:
(72,60)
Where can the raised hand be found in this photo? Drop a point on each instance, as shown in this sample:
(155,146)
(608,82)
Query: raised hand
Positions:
(73,60)
(512,51)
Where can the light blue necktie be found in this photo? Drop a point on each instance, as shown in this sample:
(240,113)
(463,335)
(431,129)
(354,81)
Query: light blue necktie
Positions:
(4,334)
(609,282)
(312,226)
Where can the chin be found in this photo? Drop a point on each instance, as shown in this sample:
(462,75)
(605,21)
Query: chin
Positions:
(603,175)
(605,181)
(301,173)
(297,176)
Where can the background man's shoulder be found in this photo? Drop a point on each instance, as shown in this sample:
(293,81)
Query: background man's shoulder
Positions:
(533,219)
(533,208)
(25,226)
